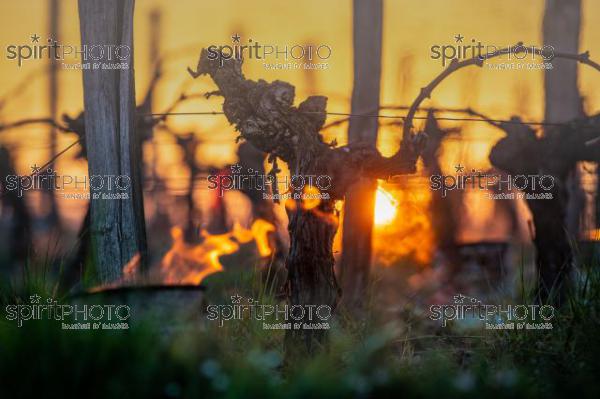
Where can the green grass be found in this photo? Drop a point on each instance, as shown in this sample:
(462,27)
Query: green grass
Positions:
(376,356)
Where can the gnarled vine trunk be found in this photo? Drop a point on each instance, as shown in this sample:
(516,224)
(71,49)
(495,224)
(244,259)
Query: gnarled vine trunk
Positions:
(265,116)
(551,157)
(311,276)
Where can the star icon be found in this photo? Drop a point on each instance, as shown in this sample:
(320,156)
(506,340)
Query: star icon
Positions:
(459,38)
(459,168)
(459,298)
(35,38)
(236,38)
(236,299)
(236,168)
(35,298)
(35,169)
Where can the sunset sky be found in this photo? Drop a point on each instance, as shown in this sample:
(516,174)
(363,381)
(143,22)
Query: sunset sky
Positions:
(410,29)
(409,32)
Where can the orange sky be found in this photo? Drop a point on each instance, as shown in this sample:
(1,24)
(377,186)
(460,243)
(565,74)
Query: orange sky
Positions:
(410,28)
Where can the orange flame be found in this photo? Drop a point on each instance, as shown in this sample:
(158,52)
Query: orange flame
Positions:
(189,264)
(261,230)
(311,197)
(592,235)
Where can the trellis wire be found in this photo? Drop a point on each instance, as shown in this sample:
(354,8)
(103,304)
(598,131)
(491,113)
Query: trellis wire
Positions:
(330,113)
(380,116)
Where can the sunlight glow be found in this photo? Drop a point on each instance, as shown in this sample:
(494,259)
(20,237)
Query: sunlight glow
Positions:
(386,207)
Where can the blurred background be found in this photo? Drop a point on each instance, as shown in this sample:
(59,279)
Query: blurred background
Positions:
(183,150)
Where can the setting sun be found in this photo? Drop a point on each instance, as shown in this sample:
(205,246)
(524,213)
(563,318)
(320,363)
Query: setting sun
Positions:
(386,207)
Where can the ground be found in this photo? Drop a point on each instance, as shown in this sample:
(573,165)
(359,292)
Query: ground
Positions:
(392,348)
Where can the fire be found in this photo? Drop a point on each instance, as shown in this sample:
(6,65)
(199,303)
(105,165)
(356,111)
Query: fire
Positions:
(261,230)
(190,264)
(186,263)
(386,207)
(592,235)
(310,197)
